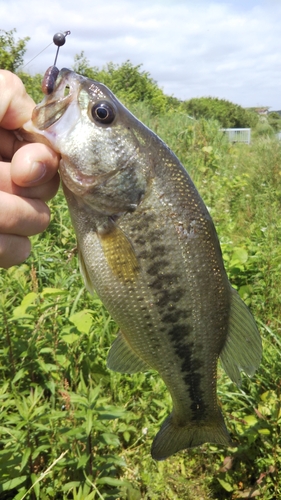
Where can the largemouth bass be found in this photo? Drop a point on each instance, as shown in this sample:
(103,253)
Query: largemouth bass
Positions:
(149,248)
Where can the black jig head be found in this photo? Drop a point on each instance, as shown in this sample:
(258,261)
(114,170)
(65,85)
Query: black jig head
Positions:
(52,72)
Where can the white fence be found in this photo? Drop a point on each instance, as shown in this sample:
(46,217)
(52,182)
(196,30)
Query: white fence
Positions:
(238,134)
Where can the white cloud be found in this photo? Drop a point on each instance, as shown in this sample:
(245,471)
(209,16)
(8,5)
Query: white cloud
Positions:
(227,49)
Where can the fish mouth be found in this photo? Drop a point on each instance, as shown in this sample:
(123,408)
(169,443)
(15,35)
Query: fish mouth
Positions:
(45,125)
(53,106)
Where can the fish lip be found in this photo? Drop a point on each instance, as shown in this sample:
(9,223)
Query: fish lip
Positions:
(54,105)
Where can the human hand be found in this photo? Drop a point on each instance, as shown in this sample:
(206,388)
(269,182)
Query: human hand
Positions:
(28,175)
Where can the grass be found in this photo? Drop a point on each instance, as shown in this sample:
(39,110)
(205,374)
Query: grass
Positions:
(71,429)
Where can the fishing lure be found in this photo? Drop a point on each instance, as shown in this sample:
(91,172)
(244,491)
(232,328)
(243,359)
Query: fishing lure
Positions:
(52,72)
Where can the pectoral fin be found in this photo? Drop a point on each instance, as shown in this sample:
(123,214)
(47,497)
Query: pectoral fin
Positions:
(243,347)
(120,254)
(121,358)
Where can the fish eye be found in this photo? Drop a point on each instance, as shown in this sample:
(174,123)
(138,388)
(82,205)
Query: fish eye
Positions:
(103,112)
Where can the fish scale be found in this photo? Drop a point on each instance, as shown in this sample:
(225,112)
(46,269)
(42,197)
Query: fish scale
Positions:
(148,246)
(161,325)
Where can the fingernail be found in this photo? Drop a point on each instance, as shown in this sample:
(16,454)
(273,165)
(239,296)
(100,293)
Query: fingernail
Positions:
(37,171)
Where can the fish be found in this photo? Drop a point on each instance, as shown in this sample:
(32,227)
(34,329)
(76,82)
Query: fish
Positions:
(148,246)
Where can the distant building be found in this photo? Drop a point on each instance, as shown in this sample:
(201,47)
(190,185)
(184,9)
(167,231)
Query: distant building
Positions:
(262,111)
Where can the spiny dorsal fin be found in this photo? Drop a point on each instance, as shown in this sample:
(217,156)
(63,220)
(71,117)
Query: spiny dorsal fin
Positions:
(243,347)
(120,254)
(122,359)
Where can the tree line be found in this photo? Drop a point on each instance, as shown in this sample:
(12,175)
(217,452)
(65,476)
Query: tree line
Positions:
(130,83)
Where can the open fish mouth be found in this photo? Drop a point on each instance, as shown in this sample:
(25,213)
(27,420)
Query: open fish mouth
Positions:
(46,125)
(53,106)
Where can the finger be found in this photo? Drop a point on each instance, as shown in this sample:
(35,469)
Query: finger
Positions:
(34,164)
(22,216)
(43,192)
(15,104)
(9,144)
(13,249)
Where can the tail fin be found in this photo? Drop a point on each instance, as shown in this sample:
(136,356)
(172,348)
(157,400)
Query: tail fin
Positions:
(172,438)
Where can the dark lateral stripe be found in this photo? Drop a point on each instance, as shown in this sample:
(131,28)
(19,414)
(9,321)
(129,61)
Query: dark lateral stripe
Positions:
(157,266)
(190,366)
(168,294)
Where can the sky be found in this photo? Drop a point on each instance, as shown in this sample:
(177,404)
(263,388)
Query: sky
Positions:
(230,49)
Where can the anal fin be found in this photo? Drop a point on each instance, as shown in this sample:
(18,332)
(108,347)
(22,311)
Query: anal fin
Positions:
(121,358)
(243,346)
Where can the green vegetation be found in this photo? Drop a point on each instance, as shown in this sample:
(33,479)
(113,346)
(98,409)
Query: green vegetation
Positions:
(11,51)
(228,114)
(274,119)
(71,429)
(128,82)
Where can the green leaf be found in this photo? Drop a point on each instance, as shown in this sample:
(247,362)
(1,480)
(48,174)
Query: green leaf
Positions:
(126,436)
(94,393)
(250,420)
(47,367)
(70,338)
(21,494)
(35,485)
(91,495)
(45,350)
(264,431)
(44,448)
(25,457)
(110,439)
(79,400)
(83,459)
(69,486)
(50,384)
(12,483)
(111,481)
(270,397)
(82,320)
(48,292)
(110,413)
(20,374)
(29,299)
(245,291)
(240,255)
(225,485)
(62,360)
